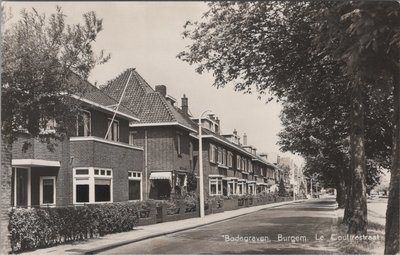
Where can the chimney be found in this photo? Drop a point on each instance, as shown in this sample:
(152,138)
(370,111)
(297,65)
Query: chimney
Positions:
(244,139)
(185,105)
(235,132)
(264,156)
(162,89)
(254,151)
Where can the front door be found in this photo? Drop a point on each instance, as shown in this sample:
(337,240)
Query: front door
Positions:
(21,186)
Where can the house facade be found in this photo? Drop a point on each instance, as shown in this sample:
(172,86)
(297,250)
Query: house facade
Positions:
(230,167)
(93,164)
(164,131)
(144,149)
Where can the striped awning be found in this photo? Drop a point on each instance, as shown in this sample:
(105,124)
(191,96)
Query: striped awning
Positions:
(161,176)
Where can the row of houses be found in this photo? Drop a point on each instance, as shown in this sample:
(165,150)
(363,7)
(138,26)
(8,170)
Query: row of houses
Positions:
(143,149)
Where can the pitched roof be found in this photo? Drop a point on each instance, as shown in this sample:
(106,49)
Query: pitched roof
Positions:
(140,97)
(136,90)
(94,96)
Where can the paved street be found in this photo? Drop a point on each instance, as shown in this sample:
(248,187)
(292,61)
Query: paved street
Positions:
(267,231)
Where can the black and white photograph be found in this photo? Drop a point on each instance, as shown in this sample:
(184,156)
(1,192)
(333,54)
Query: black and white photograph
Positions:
(191,127)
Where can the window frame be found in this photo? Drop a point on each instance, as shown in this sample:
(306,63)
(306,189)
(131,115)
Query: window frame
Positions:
(136,178)
(215,181)
(41,190)
(111,134)
(89,131)
(90,179)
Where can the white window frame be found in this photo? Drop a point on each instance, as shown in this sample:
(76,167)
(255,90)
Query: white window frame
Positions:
(212,153)
(215,181)
(243,185)
(133,175)
(238,162)
(234,187)
(41,190)
(90,179)
(89,131)
(131,137)
(110,134)
(179,140)
(219,159)
(230,159)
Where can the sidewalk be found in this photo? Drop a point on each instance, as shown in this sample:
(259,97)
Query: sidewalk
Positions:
(146,232)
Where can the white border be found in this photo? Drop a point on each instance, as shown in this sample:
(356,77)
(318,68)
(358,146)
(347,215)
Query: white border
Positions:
(41,190)
(101,140)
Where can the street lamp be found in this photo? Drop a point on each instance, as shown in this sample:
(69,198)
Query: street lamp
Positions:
(201,166)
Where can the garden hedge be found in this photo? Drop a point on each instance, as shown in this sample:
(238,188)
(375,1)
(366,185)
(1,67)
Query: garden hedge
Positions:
(42,227)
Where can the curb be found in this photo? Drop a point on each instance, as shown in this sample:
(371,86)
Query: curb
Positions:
(114,245)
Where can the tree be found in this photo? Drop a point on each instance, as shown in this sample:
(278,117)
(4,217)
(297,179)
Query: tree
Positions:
(285,48)
(282,189)
(44,61)
(191,182)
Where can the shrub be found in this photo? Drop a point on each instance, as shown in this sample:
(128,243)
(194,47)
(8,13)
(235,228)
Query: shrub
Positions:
(43,227)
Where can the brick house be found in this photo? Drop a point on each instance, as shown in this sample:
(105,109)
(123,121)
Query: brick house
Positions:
(231,168)
(87,166)
(164,131)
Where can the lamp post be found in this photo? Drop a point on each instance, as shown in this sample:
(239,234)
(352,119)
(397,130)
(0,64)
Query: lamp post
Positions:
(201,166)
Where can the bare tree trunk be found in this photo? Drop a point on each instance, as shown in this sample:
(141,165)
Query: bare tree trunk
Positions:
(358,197)
(5,201)
(341,191)
(392,212)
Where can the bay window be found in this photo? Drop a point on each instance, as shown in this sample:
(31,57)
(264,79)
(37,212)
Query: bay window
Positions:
(92,185)
(215,187)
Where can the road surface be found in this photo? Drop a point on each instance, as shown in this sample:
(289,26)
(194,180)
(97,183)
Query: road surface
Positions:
(299,228)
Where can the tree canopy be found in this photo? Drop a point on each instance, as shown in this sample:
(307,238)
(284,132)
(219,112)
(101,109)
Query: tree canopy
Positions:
(43,62)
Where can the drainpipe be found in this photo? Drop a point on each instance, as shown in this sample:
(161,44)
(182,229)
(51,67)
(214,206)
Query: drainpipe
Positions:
(145,163)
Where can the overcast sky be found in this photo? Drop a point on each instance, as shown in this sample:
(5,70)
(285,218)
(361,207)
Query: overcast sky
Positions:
(147,36)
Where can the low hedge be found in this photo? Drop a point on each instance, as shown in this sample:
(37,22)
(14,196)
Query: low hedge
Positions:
(43,227)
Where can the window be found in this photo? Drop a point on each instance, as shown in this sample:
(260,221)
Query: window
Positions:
(132,137)
(113,132)
(178,144)
(215,186)
(232,187)
(244,167)
(92,185)
(224,157)
(238,163)
(230,159)
(251,188)
(135,185)
(83,121)
(191,155)
(212,153)
(219,156)
(241,188)
(47,190)
(250,166)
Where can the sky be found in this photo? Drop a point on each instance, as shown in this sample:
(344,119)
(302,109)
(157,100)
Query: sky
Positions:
(148,36)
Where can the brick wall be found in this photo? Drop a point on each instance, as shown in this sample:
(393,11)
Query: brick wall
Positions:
(5,195)
(162,152)
(103,155)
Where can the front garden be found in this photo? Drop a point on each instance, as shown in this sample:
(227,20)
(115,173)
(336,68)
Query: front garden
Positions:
(32,228)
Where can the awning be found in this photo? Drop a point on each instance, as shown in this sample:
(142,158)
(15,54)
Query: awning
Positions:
(161,176)
(35,162)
